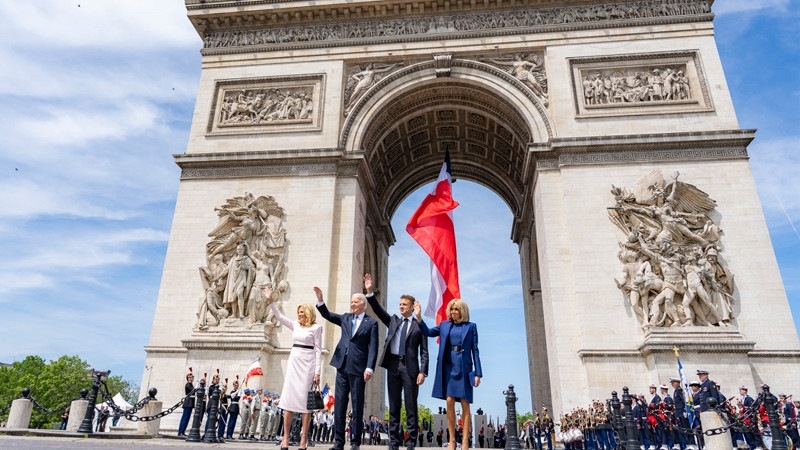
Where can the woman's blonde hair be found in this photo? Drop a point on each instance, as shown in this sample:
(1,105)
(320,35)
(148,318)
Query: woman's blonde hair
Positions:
(461,305)
(311,315)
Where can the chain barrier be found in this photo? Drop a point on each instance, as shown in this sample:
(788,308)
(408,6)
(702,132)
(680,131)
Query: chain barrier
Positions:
(129,414)
(7,407)
(48,411)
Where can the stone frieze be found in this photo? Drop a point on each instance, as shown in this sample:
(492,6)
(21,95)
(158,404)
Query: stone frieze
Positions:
(429,26)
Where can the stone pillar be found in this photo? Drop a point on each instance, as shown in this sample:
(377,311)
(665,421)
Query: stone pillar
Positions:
(152,427)
(20,414)
(710,420)
(77,411)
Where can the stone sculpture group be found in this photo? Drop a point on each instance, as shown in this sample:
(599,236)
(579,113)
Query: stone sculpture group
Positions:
(247,251)
(672,273)
(252,107)
(660,84)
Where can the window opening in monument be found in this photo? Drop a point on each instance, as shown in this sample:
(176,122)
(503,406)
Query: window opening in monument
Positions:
(490,284)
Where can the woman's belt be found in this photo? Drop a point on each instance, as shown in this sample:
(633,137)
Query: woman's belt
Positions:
(310,347)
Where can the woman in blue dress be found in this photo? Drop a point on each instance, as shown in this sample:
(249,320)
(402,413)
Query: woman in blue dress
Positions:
(458,366)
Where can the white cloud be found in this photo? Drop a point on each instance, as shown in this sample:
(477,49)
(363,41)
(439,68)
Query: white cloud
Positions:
(775,164)
(738,6)
(118,24)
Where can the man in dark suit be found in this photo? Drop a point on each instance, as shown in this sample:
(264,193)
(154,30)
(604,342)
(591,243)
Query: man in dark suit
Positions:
(405,358)
(354,359)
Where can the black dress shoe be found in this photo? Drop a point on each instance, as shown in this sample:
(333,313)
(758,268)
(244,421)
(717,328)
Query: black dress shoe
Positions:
(355,446)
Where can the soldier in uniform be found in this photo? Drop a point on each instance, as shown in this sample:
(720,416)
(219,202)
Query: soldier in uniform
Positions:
(679,419)
(789,419)
(537,430)
(222,417)
(188,403)
(664,417)
(696,397)
(708,389)
(263,416)
(244,412)
(255,411)
(233,408)
(547,428)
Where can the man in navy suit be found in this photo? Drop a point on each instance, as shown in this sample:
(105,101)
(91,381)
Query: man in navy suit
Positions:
(354,359)
(405,358)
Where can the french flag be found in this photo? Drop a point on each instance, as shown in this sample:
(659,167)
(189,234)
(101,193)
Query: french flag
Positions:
(432,227)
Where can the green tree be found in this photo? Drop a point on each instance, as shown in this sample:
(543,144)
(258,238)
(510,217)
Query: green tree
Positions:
(54,384)
(423,412)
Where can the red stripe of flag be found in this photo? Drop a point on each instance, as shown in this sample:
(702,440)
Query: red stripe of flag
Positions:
(432,227)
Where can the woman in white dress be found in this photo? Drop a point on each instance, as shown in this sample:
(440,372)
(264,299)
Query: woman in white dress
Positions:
(304,366)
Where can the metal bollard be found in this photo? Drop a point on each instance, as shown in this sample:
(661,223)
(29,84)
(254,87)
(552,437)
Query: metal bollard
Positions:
(213,407)
(512,441)
(86,425)
(199,408)
(631,435)
(778,438)
(616,414)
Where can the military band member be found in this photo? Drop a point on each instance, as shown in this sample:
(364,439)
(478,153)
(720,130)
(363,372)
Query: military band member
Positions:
(696,397)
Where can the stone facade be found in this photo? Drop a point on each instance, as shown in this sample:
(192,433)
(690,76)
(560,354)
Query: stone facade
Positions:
(380,90)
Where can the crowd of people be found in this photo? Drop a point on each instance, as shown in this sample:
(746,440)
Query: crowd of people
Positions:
(664,421)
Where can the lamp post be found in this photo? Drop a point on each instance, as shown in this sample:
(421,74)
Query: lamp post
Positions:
(86,425)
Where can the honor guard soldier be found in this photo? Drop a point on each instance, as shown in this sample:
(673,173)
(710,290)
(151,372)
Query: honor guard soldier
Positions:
(244,412)
(255,411)
(233,408)
(666,413)
(188,403)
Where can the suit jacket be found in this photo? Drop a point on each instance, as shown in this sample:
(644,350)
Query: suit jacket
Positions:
(707,390)
(360,350)
(471,353)
(416,342)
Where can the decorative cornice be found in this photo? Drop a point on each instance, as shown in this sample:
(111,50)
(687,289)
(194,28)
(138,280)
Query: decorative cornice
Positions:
(228,344)
(684,146)
(267,30)
(150,349)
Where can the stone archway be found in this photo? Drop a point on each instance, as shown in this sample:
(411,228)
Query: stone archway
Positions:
(489,122)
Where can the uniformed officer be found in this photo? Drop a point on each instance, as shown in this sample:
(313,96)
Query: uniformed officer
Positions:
(708,389)
(263,417)
(188,403)
(244,412)
(233,408)
(224,405)
(665,417)
(789,419)
(696,397)
(255,411)
(679,419)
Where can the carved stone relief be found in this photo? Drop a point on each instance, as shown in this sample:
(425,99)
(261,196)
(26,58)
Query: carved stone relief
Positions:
(506,21)
(276,104)
(247,251)
(361,78)
(639,84)
(527,68)
(672,272)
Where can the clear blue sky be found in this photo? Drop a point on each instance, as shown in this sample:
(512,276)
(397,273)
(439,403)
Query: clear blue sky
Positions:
(95,100)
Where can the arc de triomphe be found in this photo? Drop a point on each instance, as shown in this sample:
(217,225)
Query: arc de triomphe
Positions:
(606,127)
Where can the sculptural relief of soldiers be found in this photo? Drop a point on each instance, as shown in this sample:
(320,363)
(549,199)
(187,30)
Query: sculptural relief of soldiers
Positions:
(671,271)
